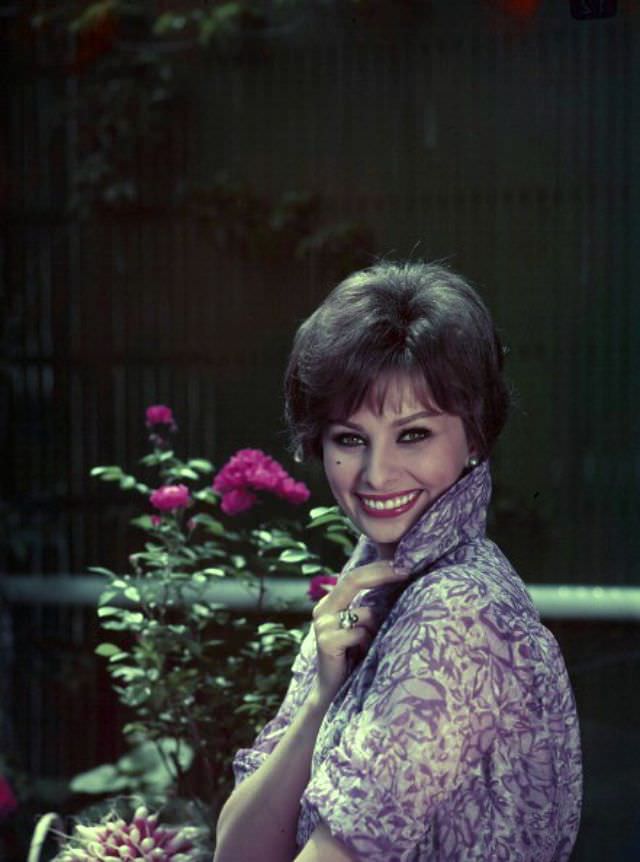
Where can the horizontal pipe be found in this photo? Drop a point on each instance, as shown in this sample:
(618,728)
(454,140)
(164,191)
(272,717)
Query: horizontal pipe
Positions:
(289,594)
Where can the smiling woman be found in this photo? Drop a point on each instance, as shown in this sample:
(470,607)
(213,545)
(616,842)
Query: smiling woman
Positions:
(430,715)
(386,467)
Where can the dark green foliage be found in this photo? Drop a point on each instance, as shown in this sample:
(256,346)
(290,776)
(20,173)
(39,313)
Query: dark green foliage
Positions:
(199,679)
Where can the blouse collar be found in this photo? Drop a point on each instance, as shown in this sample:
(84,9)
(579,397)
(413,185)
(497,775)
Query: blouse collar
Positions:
(457,517)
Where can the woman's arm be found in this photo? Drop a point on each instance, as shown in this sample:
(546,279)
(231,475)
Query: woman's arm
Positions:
(259,820)
(323,847)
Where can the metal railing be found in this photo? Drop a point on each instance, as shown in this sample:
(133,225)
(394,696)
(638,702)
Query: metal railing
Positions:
(553,601)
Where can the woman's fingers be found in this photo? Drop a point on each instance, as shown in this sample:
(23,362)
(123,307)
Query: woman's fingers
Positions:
(334,642)
(332,638)
(361,578)
(331,624)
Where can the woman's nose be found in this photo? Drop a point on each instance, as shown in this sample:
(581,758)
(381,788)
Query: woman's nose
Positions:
(379,468)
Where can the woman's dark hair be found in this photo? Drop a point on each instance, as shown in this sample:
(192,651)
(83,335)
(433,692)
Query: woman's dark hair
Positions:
(415,318)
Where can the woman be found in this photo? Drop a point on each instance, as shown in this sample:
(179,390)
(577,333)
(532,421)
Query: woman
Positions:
(430,715)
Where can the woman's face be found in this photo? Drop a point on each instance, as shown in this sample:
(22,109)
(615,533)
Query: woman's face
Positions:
(386,470)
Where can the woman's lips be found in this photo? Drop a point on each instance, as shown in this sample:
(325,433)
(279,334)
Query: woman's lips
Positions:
(381,512)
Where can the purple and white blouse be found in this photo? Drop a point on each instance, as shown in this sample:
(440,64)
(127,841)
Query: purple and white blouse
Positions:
(456,739)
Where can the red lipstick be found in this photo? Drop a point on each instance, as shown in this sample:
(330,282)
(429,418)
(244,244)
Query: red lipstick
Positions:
(387,513)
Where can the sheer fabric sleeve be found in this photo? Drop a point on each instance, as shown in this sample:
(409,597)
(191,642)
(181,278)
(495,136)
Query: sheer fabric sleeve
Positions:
(247,760)
(429,713)
(303,671)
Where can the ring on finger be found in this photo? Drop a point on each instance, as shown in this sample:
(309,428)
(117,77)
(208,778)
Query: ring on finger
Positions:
(347,618)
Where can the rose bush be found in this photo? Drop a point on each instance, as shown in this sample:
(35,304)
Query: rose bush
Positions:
(184,664)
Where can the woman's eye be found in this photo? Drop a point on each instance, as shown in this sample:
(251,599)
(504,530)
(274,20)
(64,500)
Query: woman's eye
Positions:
(412,435)
(347,439)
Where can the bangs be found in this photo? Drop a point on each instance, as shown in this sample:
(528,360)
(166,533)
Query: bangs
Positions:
(391,386)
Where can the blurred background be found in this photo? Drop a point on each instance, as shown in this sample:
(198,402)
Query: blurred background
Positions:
(183,182)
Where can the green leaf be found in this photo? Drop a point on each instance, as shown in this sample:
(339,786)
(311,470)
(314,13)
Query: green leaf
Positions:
(320,511)
(322,520)
(293,556)
(109,474)
(106,597)
(168,21)
(134,694)
(184,473)
(270,628)
(127,482)
(109,611)
(264,536)
(311,568)
(279,539)
(132,618)
(112,470)
(201,465)
(142,521)
(128,673)
(99,570)
(150,460)
(214,571)
(207,495)
(132,593)
(210,523)
(347,544)
(107,650)
(102,779)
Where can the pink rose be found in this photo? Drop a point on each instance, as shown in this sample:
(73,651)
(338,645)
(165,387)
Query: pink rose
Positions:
(262,477)
(159,414)
(8,802)
(236,501)
(170,497)
(320,585)
(229,478)
(254,469)
(294,492)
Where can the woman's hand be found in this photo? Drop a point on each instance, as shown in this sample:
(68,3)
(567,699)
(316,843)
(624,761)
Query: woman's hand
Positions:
(332,638)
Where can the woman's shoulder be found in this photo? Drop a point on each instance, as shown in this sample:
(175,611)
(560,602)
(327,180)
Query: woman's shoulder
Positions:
(479,603)
(478,580)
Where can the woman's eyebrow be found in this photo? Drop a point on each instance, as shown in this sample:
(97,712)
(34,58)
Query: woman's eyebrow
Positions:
(423,414)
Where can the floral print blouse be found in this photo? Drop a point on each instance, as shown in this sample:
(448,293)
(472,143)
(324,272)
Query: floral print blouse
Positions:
(456,739)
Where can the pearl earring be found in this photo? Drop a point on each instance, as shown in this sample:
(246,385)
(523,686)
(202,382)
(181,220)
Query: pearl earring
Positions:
(473,462)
